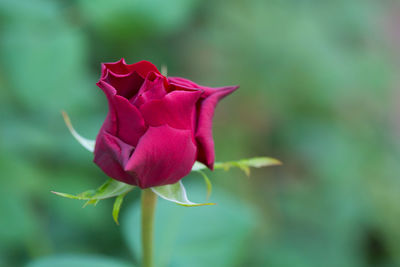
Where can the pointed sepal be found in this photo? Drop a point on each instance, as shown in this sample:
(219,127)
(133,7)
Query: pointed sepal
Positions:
(86,143)
(117,206)
(243,164)
(111,188)
(208,183)
(176,193)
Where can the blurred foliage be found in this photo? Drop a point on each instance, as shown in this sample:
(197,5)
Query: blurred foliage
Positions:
(319,91)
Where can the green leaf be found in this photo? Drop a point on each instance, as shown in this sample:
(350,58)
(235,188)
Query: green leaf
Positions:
(176,193)
(243,164)
(78,260)
(86,143)
(221,235)
(208,183)
(117,206)
(111,188)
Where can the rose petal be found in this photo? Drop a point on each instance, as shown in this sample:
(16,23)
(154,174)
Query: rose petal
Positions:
(111,154)
(152,88)
(205,142)
(179,83)
(120,67)
(126,85)
(163,155)
(124,120)
(175,109)
(143,68)
(182,82)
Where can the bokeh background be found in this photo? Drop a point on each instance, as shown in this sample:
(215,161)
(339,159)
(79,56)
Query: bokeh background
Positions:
(319,91)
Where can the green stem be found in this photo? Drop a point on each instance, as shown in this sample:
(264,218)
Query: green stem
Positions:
(149,200)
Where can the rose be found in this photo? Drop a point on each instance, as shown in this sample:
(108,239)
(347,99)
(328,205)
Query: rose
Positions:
(156,127)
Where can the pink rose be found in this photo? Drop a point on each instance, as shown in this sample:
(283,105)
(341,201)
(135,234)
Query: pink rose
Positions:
(156,127)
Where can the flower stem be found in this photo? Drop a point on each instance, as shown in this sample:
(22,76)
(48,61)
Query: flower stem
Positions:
(149,200)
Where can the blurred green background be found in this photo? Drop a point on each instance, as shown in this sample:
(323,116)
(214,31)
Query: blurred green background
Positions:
(319,91)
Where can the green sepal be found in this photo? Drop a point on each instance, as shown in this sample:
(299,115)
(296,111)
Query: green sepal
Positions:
(243,164)
(117,206)
(111,188)
(207,182)
(176,193)
(197,166)
(86,143)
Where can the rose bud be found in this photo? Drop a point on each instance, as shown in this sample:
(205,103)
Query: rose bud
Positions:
(156,127)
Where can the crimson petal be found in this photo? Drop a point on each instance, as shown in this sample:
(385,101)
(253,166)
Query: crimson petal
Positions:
(127,85)
(178,81)
(120,67)
(175,109)
(206,153)
(124,120)
(143,67)
(163,156)
(152,88)
(110,155)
